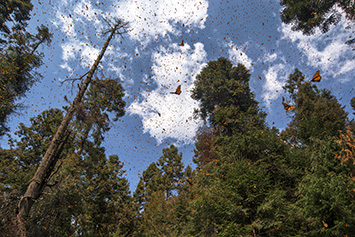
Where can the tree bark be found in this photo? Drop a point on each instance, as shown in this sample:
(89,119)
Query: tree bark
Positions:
(51,156)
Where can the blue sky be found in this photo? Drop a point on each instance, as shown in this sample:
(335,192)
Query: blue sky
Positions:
(150,63)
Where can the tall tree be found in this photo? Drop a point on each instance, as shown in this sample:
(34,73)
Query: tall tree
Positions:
(317,122)
(50,158)
(317,113)
(250,161)
(204,151)
(162,196)
(172,169)
(150,189)
(19,55)
(85,190)
(19,163)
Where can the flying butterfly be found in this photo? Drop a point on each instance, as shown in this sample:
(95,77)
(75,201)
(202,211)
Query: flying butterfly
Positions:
(287,107)
(316,77)
(177,91)
(182,43)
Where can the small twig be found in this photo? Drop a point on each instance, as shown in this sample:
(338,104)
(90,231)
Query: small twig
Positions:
(73,80)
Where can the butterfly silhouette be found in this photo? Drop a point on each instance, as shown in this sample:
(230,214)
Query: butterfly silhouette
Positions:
(316,77)
(182,43)
(178,90)
(287,107)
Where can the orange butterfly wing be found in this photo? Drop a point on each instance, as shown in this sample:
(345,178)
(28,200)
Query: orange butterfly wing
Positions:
(316,77)
(178,90)
(182,43)
(287,107)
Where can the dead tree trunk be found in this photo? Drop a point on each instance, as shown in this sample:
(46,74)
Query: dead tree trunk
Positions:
(39,180)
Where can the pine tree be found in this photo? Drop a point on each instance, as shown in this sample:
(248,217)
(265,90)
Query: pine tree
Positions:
(324,192)
(317,113)
(250,170)
(172,169)
(50,159)
(19,55)
(85,194)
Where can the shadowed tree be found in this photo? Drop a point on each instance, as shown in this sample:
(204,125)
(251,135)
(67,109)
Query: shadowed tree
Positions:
(19,55)
(85,194)
(306,15)
(204,151)
(325,192)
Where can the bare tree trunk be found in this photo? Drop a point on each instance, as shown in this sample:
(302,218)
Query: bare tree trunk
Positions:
(51,157)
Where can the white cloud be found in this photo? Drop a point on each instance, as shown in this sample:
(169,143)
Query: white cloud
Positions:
(151,19)
(80,23)
(328,51)
(166,115)
(270,57)
(236,55)
(79,37)
(275,78)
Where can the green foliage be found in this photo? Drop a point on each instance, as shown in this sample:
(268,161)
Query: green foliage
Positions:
(220,85)
(251,180)
(326,194)
(86,193)
(91,115)
(172,169)
(226,199)
(317,113)
(15,12)
(308,15)
(20,162)
(18,55)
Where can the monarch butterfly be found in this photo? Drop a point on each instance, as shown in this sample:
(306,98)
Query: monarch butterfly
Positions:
(325,224)
(286,106)
(316,77)
(178,90)
(182,43)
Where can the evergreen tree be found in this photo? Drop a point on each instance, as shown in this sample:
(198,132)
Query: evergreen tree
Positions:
(317,113)
(162,195)
(19,55)
(85,194)
(204,151)
(150,197)
(19,163)
(251,163)
(172,169)
(324,197)
(50,158)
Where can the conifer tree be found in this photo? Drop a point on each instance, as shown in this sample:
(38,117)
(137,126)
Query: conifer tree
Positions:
(324,193)
(19,55)
(86,193)
(233,192)
(172,169)
(50,159)
(317,113)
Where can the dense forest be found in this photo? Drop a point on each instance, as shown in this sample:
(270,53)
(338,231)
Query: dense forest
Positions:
(250,179)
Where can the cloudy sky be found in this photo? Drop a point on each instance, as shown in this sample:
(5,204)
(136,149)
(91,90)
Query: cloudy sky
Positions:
(150,63)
